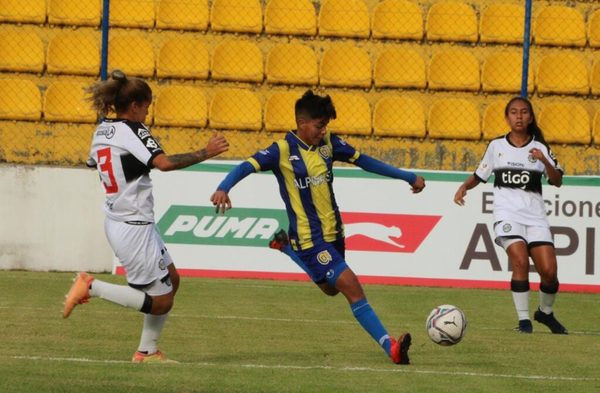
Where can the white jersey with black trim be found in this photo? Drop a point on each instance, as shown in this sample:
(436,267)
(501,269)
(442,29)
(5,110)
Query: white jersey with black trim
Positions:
(517,180)
(123,151)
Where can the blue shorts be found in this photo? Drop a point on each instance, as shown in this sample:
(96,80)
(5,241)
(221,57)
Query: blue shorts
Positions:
(325,261)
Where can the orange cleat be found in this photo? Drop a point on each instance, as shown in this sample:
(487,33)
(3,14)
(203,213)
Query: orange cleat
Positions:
(156,357)
(399,349)
(78,294)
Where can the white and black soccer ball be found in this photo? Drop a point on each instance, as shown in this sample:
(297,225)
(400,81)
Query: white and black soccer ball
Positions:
(446,325)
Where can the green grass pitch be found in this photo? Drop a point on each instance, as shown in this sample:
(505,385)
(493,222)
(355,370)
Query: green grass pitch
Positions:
(271,336)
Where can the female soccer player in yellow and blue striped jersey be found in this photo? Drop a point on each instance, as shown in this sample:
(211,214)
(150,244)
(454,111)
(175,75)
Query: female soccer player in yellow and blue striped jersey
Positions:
(302,163)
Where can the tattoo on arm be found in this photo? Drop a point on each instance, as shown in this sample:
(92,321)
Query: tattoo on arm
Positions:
(186,159)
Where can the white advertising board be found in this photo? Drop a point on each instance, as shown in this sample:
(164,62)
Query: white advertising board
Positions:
(392,235)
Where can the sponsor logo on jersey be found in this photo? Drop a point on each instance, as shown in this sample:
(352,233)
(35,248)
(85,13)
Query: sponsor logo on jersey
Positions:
(378,232)
(143,133)
(294,158)
(324,257)
(305,182)
(108,132)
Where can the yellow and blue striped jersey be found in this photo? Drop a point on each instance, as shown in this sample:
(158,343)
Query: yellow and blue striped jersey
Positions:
(305,178)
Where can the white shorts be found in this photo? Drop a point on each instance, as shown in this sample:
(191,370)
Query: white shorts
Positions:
(142,253)
(510,232)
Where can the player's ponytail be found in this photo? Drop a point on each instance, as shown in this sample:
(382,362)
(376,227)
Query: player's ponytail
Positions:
(117,93)
(533,127)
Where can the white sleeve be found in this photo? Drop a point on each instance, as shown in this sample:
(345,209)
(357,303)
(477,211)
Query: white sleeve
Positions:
(552,159)
(486,166)
(142,145)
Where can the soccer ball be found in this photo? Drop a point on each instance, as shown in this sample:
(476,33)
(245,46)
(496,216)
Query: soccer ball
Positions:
(446,325)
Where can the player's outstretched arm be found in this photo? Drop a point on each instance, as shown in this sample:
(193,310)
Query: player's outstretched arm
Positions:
(459,197)
(370,164)
(220,199)
(216,145)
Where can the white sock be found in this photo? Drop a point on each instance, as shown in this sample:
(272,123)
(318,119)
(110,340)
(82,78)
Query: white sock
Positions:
(153,326)
(521,300)
(119,294)
(546,302)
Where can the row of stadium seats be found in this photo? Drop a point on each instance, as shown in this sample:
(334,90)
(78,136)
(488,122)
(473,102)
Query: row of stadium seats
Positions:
(393,115)
(341,65)
(390,19)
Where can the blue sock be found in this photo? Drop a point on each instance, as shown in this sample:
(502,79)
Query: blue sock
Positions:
(367,318)
(287,250)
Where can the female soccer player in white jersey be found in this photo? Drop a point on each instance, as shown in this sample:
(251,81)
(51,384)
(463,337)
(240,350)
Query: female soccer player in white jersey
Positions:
(518,161)
(124,151)
(302,164)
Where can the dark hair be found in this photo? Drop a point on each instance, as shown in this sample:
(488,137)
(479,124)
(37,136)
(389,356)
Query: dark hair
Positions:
(314,106)
(532,128)
(118,92)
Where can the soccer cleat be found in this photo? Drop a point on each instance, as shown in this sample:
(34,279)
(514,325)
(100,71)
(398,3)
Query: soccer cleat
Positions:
(549,320)
(78,294)
(399,349)
(525,326)
(156,357)
(280,240)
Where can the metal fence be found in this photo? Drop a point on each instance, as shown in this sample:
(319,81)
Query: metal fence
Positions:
(422,84)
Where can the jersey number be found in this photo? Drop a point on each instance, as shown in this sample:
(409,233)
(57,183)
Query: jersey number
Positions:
(105,160)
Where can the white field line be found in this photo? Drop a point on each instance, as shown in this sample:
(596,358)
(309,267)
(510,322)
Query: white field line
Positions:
(403,370)
(295,320)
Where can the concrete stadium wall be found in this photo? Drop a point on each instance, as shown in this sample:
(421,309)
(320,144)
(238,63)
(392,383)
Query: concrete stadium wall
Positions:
(52,219)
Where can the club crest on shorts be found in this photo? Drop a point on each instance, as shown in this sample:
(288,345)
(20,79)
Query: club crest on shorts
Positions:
(506,227)
(324,257)
(161,264)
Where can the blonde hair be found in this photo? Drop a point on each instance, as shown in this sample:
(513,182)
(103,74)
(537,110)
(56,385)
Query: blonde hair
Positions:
(117,93)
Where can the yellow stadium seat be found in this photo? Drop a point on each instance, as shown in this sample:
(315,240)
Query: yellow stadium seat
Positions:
(132,53)
(562,73)
(563,122)
(65,101)
(279,111)
(182,14)
(454,69)
(132,13)
(31,11)
(400,67)
(244,16)
(294,17)
(501,72)
(21,51)
(559,25)
(595,78)
(74,52)
(20,99)
(596,128)
(345,65)
(69,12)
(180,106)
(183,57)
(235,109)
(398,116)
(594,29)
(454,118)
(451,21)
(494,120)
(293,64)
(237,60)
(344,18)
(397,19)
(353,114)
(502,23)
